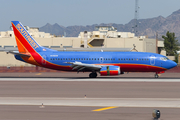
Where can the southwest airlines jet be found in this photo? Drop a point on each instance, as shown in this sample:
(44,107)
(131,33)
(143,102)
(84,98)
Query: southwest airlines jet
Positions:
(104,63)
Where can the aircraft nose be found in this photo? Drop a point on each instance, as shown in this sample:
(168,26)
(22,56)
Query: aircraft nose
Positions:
(173,64)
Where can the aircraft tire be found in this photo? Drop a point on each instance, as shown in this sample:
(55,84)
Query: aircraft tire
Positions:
(156,75)
(92,75)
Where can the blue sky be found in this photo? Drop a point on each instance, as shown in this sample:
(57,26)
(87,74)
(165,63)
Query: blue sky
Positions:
(36,13)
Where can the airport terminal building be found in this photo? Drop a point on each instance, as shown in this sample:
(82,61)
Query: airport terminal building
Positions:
(103,38)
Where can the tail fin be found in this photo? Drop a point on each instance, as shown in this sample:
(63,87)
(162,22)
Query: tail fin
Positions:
(25,42)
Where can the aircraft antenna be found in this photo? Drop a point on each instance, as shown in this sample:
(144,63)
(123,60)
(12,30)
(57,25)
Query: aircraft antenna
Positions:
(136,15)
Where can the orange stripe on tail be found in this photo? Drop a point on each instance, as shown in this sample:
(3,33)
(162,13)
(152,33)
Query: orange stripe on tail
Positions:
(21,48)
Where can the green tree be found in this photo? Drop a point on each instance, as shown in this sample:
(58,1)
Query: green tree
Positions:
(170,44)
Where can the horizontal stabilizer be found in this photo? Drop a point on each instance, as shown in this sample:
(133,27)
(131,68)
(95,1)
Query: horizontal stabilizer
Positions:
(20,54)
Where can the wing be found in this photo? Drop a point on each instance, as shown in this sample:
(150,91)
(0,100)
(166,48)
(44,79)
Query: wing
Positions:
(80,66)
(17,53)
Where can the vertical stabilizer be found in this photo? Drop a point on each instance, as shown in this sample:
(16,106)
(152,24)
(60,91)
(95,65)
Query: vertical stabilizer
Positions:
(25,42)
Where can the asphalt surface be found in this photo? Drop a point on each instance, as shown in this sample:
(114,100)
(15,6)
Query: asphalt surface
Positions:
(78,89)
(76,97)
(82,113)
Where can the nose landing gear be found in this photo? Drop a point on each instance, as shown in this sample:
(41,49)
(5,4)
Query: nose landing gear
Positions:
(156,75)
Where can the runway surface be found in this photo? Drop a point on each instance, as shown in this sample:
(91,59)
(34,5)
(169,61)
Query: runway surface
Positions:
(81,98)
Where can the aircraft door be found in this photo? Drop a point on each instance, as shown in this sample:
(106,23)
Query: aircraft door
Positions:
(44,59)
(152,60)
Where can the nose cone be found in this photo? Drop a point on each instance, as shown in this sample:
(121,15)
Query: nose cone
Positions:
(172,64)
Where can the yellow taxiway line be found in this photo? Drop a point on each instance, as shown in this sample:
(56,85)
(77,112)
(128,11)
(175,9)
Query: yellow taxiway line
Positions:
(38,73)
(106,108)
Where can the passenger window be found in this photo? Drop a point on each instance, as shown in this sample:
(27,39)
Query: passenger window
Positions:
(51,59)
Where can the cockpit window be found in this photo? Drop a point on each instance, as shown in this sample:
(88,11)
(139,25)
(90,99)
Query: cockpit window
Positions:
(164,58)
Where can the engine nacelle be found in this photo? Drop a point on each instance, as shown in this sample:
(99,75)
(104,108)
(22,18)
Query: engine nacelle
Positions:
(110,70)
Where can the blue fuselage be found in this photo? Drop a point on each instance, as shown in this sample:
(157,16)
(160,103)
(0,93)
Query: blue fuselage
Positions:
(128,61)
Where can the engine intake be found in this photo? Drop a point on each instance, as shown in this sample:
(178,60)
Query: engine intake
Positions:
(110,70)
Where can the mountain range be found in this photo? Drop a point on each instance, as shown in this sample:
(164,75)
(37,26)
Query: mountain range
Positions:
(146,27)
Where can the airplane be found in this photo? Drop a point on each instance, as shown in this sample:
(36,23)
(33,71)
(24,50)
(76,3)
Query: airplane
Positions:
(104,63)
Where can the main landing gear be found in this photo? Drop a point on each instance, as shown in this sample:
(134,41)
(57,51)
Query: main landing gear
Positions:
(93,75)
(156,75)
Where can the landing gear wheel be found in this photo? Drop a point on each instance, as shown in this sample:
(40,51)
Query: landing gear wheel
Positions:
(93,75)
(156,75)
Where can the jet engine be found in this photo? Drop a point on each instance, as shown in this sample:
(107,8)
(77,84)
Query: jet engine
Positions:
(110,70)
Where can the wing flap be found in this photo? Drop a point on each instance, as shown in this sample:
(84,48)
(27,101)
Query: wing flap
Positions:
(80,66)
